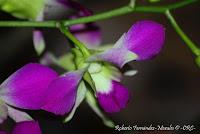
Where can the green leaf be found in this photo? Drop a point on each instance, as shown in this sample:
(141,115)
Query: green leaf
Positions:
(24,9)
(91,100)
(80,97)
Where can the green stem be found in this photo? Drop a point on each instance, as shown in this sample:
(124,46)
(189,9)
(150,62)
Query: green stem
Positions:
(42,24)
(185,38)
(76,42)
(180,4)
(101,16)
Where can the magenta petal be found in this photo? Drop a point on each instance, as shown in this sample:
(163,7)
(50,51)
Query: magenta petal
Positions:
(2,132)
(27,127)
(62,93)
(27,87)
(145,38)
(115,100)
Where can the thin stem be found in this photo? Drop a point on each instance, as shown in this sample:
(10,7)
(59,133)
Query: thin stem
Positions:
(187,40)
(76,42)
(43,24)
(180,4)
(101,16)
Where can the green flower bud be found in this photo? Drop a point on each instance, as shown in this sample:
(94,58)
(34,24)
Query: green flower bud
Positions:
(24,9)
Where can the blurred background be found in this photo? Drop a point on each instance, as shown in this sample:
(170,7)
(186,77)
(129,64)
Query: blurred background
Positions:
(165,90)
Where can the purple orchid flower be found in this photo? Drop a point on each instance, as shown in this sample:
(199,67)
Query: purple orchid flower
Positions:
(88,33)
(25,89)
(26,127)
(144,40)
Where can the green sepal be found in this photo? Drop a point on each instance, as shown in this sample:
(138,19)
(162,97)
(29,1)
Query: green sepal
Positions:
(79,58)
(67,62)
(87,77)
(91,100)
(79,98)
(24,9)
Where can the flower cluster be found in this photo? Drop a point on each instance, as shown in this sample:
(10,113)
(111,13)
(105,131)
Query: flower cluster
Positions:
(96,76)
(36,86)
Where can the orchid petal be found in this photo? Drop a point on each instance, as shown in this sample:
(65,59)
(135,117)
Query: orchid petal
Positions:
(79,98)
(2,132)
(114,100)
(91,100)
(130,72)
(117,55)
(48,59)
(54,9)
(145,38)
(3,111)
(89,34)
(18,116)
(102,75)
(27,127)
(62,93)
(38,41)
(27,87)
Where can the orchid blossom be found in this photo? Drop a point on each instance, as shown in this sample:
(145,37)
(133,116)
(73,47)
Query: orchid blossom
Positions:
(92,72)
(144,40)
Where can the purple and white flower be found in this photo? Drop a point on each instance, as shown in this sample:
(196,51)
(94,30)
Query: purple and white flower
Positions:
(144,40)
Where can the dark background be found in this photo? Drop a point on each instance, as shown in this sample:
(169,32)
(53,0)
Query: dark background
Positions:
(165,91)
